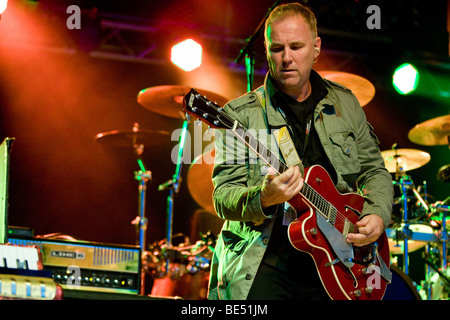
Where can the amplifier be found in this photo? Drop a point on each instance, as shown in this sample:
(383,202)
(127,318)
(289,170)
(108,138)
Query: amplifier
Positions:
(89,266)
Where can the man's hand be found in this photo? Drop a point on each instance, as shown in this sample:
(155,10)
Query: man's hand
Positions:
(370,228)
(281,188)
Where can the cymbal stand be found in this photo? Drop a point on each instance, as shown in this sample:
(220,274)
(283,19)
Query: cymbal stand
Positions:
(404,183)
(173,186)
(444,234)
(143,176)
(402,179)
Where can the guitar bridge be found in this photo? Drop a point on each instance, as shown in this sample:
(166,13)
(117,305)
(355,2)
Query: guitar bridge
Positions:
(369,258)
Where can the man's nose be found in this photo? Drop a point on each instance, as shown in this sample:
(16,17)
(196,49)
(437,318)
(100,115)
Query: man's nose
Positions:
(287,56)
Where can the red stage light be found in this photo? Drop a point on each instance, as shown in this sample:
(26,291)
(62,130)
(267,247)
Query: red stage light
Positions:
(187,55)
(3,5)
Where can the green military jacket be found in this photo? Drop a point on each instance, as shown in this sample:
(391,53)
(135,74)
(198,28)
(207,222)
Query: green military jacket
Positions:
(350,144)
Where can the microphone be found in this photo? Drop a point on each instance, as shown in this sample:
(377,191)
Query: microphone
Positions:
(165,185)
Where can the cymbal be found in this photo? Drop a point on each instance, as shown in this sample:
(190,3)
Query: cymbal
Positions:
(199,180)
(130,138)
(444,173)
(407,159)
(432,132)
(362,88)
(168,100)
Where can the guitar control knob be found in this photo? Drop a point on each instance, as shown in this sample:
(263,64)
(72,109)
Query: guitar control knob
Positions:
(313,231)
(357,293)
(364,271)
(368,290)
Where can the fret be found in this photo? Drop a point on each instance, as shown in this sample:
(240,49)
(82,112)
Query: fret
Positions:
(332,214)
(260,149)
(323,206)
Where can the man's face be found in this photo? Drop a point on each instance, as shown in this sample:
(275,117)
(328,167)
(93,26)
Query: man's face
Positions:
(291,51)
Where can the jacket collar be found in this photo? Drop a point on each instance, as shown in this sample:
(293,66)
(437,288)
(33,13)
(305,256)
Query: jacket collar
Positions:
(275,117)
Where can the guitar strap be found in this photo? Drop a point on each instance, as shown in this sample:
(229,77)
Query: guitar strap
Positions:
(282,136)
(288,150)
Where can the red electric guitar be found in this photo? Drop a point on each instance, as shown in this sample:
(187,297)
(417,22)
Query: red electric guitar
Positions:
(325,217)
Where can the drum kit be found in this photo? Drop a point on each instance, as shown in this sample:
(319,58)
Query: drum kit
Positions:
(165,259)
(418,221)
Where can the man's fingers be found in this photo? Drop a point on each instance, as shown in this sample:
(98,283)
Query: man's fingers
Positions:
(370,227)
(271,173)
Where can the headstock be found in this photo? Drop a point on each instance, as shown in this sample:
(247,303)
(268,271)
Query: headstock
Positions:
(207,111)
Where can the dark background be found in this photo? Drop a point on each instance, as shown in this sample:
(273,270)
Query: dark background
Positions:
(59,88)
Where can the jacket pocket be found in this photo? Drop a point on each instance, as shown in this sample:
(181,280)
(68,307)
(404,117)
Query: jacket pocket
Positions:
(345,152)
(233,242)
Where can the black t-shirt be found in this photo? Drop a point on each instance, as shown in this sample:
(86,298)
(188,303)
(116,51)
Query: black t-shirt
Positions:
(299,116)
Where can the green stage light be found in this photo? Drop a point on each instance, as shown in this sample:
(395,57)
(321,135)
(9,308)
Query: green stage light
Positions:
(405,78)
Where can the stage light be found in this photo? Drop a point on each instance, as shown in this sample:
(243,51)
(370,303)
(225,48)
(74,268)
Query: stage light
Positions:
(406,78)
(3,5)
(187,55)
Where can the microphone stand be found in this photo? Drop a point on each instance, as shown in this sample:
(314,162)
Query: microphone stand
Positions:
(249,52)
(173,186)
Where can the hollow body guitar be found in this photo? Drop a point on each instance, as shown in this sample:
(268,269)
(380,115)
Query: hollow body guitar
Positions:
(325,217)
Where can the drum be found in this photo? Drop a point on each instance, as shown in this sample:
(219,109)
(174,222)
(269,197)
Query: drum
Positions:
(421,234)
(401,287)
(438,289)
(415,209)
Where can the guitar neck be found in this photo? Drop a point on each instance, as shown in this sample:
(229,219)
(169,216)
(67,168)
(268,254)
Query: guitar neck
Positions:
(307,192)
(259,148)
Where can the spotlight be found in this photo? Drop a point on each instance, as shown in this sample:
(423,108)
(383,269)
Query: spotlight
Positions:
(187,55)
(430,78)
(3,5)
(405,79)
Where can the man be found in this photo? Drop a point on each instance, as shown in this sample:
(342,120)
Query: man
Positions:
(253,258)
